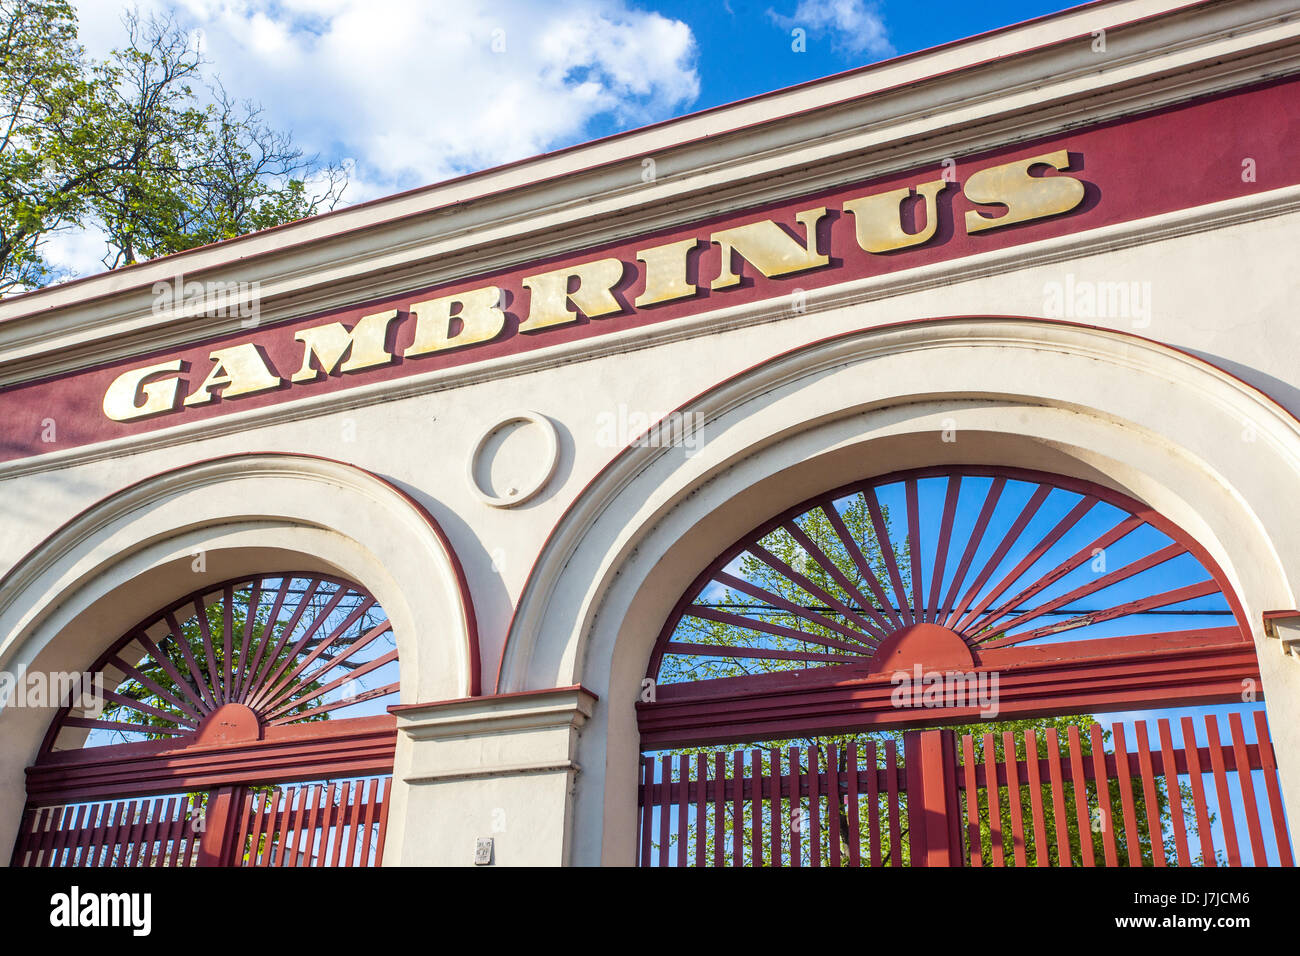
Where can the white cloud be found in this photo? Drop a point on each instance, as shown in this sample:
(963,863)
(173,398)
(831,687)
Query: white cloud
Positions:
(414,92)
(854,25)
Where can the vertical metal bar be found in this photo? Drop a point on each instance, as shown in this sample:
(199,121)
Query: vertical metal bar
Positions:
(315,827)
(1103,796)
(277,811)
(683,806)
(833,802)
(1245,775)
(1215,743)
(367,832)
(48,835)
(647,807)
(756,808)
(774,806)
(917,812)
(891,786)
(1269,759)
(328,834)
(1193,751)
(1079,784)
(873,802)
(1124,773)
(665,804)
(241,837)
(719,807)
(851,798)
(814,806)
(1013,797)
(738,809)
(701,807)
(256,826)
(1042,853)
(383,823)
(340,818)
(795,781)
(1060,816)
(972,800)
(1154,827)
(1170,768)
(991,787)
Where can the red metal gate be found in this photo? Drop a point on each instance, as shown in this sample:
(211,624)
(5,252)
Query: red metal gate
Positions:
(320,824)
(953,801)
(244,725)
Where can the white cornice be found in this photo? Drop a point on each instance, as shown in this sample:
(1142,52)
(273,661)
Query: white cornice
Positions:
(1019,83)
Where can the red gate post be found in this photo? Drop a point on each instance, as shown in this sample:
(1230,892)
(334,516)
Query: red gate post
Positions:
(220,824)
(933,810)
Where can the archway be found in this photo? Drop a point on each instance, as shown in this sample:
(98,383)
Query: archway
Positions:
(192,531)
(177,746)
(957,595)
(1138,418)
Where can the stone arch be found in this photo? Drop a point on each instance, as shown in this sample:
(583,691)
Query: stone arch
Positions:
(1136,416)
(115,562)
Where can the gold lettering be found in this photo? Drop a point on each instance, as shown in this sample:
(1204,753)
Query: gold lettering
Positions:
(550,295)
(879,218)
(120,399)
(1026,197)
(481,320)
(366,346)
(241,369)
(769,248)
(665,273)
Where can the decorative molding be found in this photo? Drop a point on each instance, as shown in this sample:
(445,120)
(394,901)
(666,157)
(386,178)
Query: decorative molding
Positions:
(496,713)
(537,731)
(550,459)
(1138,232)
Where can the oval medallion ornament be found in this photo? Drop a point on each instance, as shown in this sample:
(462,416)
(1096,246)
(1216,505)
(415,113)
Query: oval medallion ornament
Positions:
(513,460)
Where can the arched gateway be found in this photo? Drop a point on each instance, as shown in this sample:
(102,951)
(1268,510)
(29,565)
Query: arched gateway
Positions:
(193,721)
(957,595)
(1041,540)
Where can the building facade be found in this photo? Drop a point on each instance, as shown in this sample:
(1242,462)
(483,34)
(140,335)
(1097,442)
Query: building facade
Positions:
(533,412)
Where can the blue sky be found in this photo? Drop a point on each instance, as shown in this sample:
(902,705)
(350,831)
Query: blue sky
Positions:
(745,47)
(411,92)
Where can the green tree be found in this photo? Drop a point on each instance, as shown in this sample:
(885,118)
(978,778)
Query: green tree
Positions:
(144,147)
